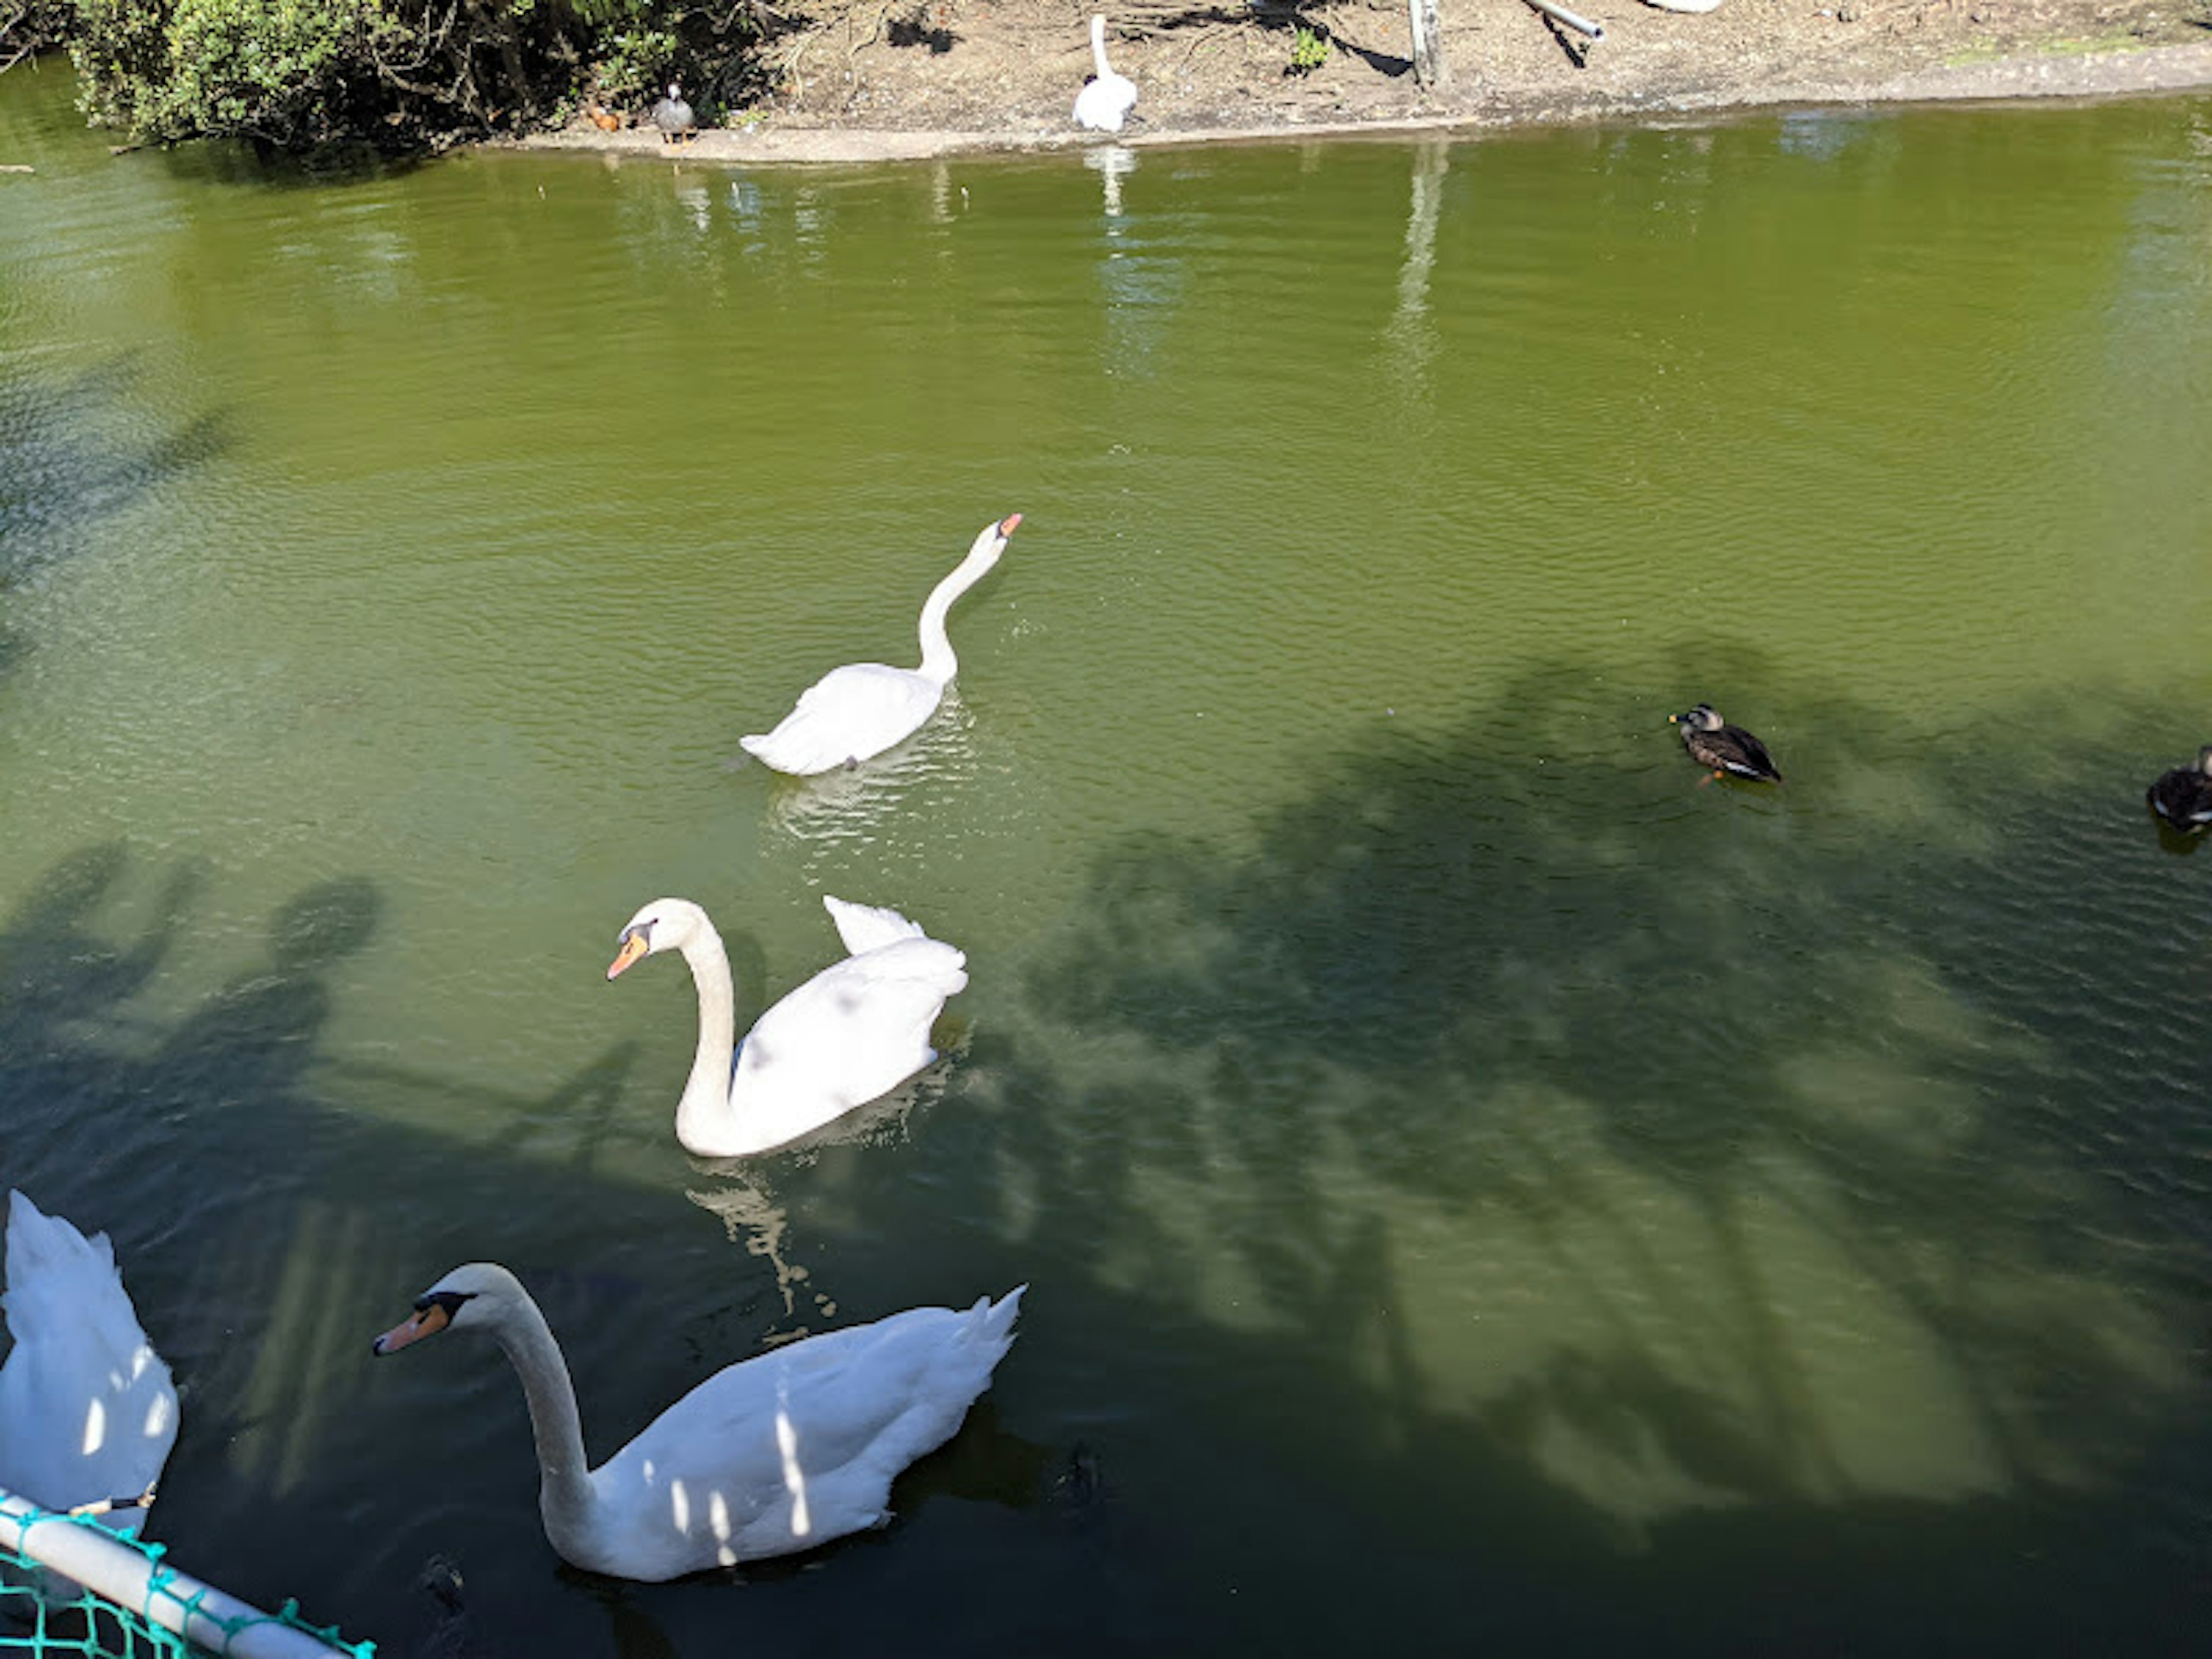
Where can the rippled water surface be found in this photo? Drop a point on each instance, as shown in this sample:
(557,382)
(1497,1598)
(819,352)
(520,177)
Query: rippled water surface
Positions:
(1480,1186)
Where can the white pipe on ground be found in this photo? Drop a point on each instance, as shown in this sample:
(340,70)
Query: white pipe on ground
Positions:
(1560,14)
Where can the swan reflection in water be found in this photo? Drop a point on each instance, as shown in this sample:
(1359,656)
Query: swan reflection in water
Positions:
(1112,163)
(852,803)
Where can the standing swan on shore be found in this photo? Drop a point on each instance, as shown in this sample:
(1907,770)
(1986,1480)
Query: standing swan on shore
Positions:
(769,1456)
(87,1412)
(853,1032)
(864,707)
(1107,98)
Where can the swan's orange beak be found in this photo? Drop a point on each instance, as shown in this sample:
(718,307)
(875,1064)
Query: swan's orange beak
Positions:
(1010,524)
(634,945)
(426,1322)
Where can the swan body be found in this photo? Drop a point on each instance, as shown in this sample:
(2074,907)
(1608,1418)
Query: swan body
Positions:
(87,1410)
(2183,797)
(1726,750)
(674,117)
(861,709)
(1107,98)
(768,1456)
(854,1031)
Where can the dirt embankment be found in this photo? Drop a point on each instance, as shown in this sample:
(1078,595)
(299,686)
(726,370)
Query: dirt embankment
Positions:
(892,78)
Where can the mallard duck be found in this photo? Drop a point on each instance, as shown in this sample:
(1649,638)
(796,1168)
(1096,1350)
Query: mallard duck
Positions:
(2183,797)
(673,116)
(1727,750)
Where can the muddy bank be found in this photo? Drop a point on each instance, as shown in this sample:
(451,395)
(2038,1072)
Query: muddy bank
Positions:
(947,77)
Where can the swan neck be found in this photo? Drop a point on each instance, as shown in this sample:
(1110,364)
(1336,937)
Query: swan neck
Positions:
(938,665)
(707,1091)
(564,1484)
(1098,42)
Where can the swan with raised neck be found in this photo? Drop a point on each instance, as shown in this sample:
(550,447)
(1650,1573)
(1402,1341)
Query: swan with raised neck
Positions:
(858,711)
(853,1032)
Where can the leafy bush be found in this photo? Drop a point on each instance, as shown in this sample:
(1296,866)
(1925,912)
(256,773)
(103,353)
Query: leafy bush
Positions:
(400,74)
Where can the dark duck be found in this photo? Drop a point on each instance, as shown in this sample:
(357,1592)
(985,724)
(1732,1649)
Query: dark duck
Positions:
(2183,797)
(1725,751)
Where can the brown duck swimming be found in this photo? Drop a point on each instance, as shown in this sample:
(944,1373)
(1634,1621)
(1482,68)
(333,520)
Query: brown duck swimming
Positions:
(1726,750)
(2183,797)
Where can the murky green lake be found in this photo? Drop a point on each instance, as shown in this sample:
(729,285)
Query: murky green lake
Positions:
(1480,1187)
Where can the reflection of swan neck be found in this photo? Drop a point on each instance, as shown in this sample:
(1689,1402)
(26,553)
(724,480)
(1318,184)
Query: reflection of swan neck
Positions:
(938,665)
(564,1485)
(707,1091)
(1098,43)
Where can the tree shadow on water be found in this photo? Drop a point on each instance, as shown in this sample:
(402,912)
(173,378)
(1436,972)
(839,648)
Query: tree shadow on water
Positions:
(1674,1122)
(265,1230)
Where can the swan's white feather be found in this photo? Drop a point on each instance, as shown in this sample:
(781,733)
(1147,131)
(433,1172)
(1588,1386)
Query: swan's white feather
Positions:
(799,1445)
(847,716)
(854,1031)
(1108,97)
(88,1410)
(769,1456)
(863,708)
(849,1035)
(865,927)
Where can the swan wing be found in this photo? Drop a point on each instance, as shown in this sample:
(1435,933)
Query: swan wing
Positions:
(1105,102)
(847,716)
(865,926)
(797,1446)
(854,1031)
(88,1410)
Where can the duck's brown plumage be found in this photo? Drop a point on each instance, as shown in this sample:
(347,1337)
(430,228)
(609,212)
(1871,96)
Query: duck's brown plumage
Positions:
(1722,749)
(2183,797)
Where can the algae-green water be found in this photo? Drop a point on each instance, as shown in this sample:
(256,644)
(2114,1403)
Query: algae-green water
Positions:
(1480,1186)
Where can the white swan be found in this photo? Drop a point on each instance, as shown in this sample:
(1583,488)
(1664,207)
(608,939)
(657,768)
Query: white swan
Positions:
(854,1031)
(87,1412)
(864,707)
(1107,98)
(769,1456)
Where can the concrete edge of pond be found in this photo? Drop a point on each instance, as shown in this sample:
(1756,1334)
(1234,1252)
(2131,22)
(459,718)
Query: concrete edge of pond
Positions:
(2160,69)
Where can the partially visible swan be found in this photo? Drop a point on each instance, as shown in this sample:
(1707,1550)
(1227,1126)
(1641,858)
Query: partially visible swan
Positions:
(2183,797)
(1107,98)
(87,1412)
(854,1031)
(864,707)
(769,1456)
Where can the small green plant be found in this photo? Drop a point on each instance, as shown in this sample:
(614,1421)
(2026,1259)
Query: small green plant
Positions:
(1309,51)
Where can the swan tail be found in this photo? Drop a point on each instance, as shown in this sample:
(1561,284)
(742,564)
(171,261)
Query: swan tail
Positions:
(49,1263)
(866,927)
(992,1323)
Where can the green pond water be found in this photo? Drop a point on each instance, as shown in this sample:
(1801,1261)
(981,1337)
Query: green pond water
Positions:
(1480,1187)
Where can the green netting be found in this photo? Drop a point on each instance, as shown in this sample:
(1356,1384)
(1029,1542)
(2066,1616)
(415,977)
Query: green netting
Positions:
(42,1613)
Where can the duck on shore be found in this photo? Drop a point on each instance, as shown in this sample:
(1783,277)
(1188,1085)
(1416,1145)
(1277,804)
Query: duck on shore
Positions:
(674,117)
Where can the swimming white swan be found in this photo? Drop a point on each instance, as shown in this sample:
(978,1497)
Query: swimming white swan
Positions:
(1107,98)
(772,1456)
(864,707)
(88,1414)
(854,1031)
